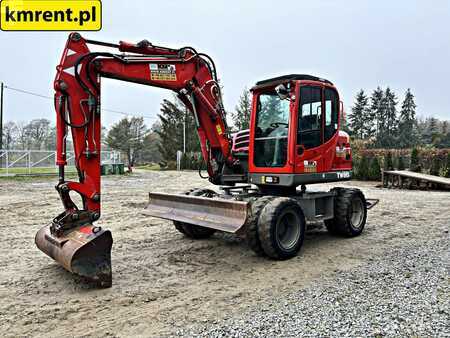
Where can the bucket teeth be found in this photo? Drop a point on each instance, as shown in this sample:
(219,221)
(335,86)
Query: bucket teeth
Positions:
(84,251)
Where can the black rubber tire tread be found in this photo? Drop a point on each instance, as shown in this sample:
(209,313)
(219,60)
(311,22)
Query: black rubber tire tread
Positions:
(179,225)
(267,227)
(341,224)
(251,236)
(191,230)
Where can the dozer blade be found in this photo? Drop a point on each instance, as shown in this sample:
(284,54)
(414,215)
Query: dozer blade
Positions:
(219,214)
(84,250)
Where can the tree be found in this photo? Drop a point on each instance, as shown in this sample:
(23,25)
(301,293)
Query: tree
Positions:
(23,135)
(401,163)
(376,101)
(150,152)
(50,140)
(241,115)
(174,119)
(363,168)
(387,120)
(390,121)
(415,161)
(408,133)
(9,134)
(433,125)
(435,166)
(192,140)
(445,127)
(444,141)
(128,136)
(374,173)
(343,122)
(447,166)
(38,131)
(359,124)
(272,110)
(433,131)
(422,129)
(388,162)
(171,130)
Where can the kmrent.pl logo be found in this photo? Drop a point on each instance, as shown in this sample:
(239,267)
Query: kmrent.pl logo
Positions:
(50,15)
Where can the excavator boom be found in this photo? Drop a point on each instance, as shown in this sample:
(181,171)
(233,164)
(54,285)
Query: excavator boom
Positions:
(72,239)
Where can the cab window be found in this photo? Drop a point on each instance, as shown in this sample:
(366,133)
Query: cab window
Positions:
(271,132)
(331,113)
(310,117)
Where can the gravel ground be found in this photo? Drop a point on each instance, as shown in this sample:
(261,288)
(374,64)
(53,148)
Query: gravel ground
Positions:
(404,293)
(166,284)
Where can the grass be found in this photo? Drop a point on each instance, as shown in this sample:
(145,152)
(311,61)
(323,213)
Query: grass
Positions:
(37,177)
(34,170)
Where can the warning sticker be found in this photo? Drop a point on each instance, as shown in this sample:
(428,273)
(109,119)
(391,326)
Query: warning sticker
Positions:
(162,72)
(219,129)
(310,166)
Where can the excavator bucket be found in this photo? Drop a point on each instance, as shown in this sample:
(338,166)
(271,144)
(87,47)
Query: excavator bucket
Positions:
(84,250)
(219,214)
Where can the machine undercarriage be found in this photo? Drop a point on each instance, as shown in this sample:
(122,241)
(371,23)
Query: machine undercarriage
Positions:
(273,225)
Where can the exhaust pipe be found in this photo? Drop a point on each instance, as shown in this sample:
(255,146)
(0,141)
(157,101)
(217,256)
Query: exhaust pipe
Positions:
(84,250)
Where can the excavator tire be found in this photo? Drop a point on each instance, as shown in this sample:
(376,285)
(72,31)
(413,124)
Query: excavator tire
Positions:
(281,228)
(251,236)
(350,213)
(191,230)
(179,227)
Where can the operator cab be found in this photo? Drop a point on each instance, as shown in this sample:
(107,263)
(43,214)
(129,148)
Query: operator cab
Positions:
(294,133)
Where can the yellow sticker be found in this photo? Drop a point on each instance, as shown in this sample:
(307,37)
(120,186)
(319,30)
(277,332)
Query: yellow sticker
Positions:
(163,72)
(310,169)
(163,77)
(219,129)
(310,166)
(50,15)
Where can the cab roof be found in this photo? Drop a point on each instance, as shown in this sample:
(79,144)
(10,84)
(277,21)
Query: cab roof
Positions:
(289,77)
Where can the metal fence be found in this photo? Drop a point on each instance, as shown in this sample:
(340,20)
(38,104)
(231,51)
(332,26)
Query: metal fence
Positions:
(14,162)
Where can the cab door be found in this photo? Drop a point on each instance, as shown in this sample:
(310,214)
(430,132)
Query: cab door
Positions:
(309,129)
(317,125)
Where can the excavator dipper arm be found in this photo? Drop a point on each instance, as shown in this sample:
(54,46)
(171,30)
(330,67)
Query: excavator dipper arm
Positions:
(72,239)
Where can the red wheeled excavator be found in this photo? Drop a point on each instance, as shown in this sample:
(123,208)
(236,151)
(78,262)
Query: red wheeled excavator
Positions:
(294,140)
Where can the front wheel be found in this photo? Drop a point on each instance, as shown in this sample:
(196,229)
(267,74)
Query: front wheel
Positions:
(350,213)
(281,228)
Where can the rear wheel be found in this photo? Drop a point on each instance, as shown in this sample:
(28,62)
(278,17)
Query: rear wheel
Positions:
(281,228)
(350,213)
(191,230)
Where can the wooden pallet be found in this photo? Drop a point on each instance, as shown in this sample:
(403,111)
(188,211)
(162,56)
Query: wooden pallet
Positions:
(409,179)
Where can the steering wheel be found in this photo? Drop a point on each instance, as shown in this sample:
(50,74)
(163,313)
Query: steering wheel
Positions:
(277,124)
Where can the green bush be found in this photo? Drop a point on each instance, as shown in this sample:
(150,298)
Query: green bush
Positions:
(374,172)
(388,162)
(191,161)
(401,163)
(447,166)
(435,166)
(415,161)
(363,168)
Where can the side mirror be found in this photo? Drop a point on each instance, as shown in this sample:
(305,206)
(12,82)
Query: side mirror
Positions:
(282,92)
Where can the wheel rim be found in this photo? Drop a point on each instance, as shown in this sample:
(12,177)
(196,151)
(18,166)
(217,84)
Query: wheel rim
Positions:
(288,230)
(357,213)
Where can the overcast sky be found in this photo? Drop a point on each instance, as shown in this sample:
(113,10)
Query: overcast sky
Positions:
(354,43)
